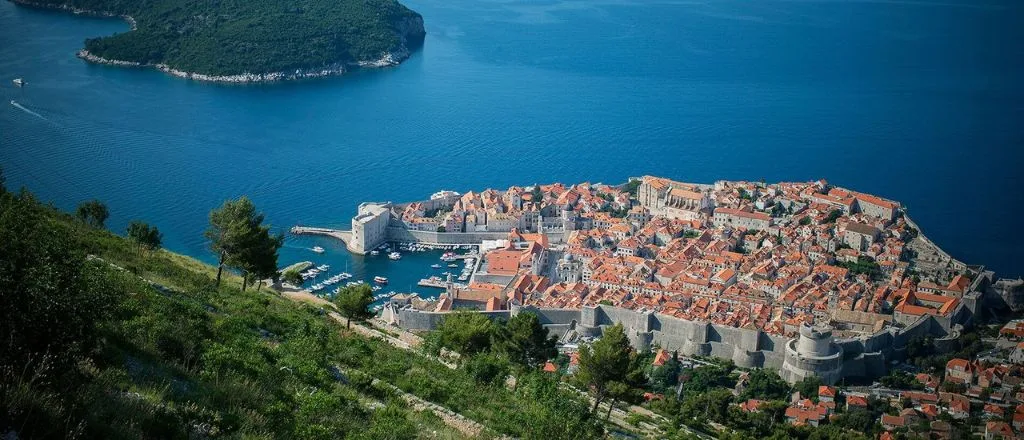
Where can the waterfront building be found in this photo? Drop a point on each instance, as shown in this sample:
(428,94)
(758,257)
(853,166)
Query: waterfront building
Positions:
(369,227)
(767,275)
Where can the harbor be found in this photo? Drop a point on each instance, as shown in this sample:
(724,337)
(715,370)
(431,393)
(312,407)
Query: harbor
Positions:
(327,266)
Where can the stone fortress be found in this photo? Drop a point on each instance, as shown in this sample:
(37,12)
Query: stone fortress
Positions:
(814,352)
(832,350)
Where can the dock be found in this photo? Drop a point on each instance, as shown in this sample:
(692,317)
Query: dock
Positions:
(427,282)
(340,234)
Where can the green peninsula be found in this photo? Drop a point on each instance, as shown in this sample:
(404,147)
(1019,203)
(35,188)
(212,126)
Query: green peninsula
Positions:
(251,40)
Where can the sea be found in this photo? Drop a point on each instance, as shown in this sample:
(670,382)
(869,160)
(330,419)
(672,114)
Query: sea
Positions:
(921,101)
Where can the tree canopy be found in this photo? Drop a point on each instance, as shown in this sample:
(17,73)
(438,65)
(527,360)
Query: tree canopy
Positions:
(93,212)
(606,364)
(525,341)
(145,235)
(464,332)
(232,37)
(354,301)
(241,241)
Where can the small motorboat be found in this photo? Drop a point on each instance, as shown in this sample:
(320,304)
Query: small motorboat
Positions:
(453,265)
(380,280)
(375,252)
(18,82)
(395,256)
(318,249)
(435,266)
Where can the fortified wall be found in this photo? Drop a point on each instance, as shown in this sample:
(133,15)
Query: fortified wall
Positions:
(814,352)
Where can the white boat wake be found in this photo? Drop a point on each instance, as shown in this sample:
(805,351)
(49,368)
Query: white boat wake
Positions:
(14,103)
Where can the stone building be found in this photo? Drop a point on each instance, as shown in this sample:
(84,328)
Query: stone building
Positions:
(741,219)
(569,269)
(369,227)
(876,206)
(860,236)
(813,353)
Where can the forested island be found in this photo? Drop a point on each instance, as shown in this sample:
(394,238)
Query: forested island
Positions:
(251,40)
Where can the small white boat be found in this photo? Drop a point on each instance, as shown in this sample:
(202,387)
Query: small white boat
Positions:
(453,265)
(380,280)
(18,82)
(435,266)
(395,256)
(375,252)
(318,249)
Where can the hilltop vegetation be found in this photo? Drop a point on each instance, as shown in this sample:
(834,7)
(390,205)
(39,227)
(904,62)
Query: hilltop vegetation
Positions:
(230,37)
(103,338)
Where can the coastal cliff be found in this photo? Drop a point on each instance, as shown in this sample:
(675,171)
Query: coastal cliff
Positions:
(311,40)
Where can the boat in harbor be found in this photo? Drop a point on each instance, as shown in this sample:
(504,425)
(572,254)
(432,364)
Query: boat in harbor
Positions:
(435,266)
(18,82)
(453,265)
(395,256)
(381,296)
(318,249)
(375,252)
(380,280)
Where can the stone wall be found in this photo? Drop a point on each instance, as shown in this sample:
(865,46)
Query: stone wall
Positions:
(865,356)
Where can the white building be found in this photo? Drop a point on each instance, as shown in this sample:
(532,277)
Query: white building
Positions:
(369,227)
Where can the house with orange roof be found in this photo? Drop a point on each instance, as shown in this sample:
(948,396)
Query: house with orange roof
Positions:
(993,411)
(826,393)
(917,304)
(856,401)
(751,405)
(811,415)
(876,206)
(661,357)
(998,430)
(1013,329)
(960,370)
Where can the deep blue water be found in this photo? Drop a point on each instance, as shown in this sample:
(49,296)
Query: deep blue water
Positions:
(920,101)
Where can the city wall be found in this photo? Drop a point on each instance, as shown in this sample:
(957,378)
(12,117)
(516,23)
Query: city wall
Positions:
(865,356)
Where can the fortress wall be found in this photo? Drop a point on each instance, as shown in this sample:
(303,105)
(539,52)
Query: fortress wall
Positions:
(551,316)
(919,328)
(861,357)
(417,320)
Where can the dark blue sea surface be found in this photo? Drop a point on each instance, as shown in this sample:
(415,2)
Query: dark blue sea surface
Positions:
(920,101)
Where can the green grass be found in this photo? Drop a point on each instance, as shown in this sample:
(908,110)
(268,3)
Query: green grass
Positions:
(191,359)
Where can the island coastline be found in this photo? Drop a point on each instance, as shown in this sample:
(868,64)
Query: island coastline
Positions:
(387,59)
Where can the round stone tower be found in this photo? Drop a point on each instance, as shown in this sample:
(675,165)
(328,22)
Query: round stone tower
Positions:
(813,353)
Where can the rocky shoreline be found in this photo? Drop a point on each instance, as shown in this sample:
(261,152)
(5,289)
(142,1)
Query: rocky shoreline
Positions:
(388,59)
(77,11)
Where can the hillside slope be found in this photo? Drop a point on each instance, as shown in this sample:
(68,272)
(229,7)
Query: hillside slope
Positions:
(99,339)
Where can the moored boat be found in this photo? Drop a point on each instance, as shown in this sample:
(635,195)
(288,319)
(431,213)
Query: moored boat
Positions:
(380,280)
